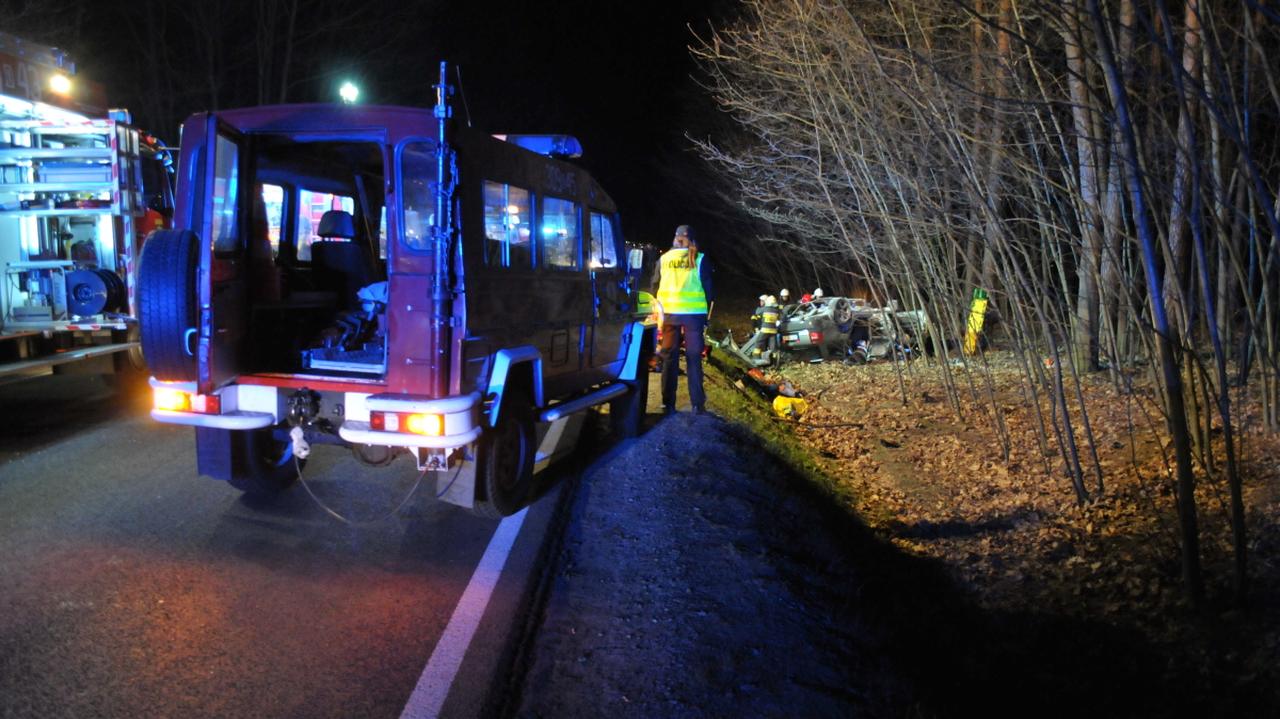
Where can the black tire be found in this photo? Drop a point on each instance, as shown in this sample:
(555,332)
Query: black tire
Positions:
(842,315)
(131,360)
(256,468)
(167,303)
(504,460)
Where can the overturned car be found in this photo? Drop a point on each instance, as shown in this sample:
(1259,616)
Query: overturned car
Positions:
(835,328)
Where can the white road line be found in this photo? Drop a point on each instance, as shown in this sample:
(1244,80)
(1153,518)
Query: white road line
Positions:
(437,677)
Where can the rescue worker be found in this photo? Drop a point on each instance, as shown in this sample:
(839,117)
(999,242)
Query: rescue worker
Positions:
(684,287)
(755,318)
(784,297)
(770,318)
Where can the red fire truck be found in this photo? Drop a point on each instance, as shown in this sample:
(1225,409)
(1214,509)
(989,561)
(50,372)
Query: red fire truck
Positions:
(78,194)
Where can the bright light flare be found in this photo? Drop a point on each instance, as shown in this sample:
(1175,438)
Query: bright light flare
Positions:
(172,400)
(431,425)
(349,92)
(60,84)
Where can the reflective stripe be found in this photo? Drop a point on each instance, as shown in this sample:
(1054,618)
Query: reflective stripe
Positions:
(769,321)
(680,287)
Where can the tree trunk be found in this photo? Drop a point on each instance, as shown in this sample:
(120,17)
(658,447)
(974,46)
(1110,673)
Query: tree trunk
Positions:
(1176,411)
(1087,270)
(1179,250)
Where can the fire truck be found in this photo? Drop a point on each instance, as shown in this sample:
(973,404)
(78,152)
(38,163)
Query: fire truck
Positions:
(78,194)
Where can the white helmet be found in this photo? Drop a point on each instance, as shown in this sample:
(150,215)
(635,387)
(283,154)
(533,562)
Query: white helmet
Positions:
(763,298)
(770,301)
(785,293)
(817,293)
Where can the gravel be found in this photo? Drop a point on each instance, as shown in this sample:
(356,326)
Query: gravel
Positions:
(694,580)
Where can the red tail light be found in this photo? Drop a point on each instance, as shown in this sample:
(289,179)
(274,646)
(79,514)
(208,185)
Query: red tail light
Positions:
(425,424)
(175,400)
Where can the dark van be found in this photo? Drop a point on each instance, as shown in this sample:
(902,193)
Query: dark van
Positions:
(385,279)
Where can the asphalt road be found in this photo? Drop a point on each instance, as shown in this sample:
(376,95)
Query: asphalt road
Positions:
(131,587)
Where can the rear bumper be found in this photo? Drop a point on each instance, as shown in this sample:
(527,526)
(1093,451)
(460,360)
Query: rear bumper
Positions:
(230,420)
(460,413)
(247,407)
(242,408)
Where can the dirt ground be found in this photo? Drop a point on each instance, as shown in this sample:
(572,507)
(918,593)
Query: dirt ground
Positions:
(933,478)
(734,565)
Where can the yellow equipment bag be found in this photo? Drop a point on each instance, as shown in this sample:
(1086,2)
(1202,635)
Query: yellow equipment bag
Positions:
(789,407)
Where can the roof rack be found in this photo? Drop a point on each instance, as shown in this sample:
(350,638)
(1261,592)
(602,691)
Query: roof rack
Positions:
(559,146)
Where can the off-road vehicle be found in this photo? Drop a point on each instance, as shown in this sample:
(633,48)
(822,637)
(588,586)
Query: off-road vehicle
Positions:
(387,279)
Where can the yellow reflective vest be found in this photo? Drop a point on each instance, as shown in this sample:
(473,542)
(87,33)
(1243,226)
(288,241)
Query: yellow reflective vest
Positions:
(680,286)
(769,317)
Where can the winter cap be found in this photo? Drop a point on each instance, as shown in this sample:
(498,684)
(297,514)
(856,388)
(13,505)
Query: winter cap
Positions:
(687,232)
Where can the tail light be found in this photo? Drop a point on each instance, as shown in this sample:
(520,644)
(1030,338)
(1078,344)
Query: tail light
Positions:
(815,337)
(431,425)
(175,400)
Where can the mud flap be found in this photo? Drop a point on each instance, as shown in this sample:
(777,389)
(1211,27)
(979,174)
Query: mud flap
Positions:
(214,453)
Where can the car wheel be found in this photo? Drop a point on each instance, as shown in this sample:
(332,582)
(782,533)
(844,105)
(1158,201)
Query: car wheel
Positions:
(842,314)
(167,303)
(257,469)
(504,460)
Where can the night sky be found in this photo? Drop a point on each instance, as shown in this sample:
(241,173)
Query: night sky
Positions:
(616,74)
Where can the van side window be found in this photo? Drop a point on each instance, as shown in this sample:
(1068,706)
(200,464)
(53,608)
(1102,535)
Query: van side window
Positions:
(560,234)
(417,190)
(273,199)
(226,179)
(311,207)
(507,214)
(604,253)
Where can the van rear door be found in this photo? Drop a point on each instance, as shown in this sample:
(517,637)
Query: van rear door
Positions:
(222,280)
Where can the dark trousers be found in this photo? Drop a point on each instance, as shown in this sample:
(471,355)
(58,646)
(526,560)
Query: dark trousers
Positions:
(690,327)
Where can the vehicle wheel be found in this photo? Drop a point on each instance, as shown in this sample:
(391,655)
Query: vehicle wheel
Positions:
(256,469)
(504,460)
(130,360)
(167,303)
(842,315)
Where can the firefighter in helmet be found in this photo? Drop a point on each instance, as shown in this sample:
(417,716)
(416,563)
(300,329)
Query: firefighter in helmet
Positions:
(755,318)
(770,318)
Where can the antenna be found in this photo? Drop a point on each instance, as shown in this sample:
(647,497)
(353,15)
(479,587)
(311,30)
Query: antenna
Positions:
(462,90)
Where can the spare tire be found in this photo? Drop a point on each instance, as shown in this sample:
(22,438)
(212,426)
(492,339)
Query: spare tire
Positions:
(167,303)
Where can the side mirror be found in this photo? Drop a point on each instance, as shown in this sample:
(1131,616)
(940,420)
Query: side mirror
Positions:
(635,259)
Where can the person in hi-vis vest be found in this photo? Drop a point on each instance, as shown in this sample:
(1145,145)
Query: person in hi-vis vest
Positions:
(686,294)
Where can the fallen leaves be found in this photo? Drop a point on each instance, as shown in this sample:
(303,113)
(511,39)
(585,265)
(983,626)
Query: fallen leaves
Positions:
(932,476)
